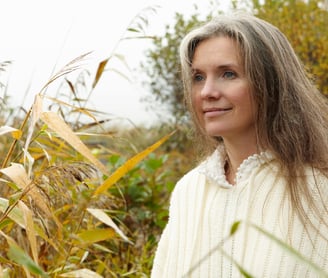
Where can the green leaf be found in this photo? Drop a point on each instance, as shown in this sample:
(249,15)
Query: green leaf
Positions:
(152,164)
(18,255)
(5,223)
(133,30)
(234,227)
(15,213)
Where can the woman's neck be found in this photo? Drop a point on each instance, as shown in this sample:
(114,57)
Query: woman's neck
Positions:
(236,154)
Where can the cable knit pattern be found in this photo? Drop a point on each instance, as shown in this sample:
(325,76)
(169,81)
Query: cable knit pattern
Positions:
(203,208)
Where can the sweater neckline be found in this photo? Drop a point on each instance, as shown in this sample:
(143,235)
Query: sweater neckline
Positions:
(213,167)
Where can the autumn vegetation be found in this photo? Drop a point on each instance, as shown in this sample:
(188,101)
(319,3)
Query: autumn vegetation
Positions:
(78,199)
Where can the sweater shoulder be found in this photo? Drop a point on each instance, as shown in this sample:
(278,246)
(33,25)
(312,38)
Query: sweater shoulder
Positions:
(190,180)
(189,185)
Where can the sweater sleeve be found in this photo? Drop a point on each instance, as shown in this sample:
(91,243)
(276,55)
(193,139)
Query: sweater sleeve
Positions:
(173,254)
(161,254)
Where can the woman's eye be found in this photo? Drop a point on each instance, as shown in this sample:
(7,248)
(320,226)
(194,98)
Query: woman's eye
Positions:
(229,75)
(198,78)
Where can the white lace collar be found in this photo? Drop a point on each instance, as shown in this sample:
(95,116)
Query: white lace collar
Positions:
(213,167)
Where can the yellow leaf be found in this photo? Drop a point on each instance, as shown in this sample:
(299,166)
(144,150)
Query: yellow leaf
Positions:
(95,235)
(103,217)
(127,166)
(17,174)
(100,70)
(30,230)
(65,132)
(15,133)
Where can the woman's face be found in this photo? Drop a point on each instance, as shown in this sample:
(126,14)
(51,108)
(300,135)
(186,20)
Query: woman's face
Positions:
(220,91)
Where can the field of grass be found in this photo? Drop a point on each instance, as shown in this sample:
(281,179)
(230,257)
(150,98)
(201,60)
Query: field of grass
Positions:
(77,199)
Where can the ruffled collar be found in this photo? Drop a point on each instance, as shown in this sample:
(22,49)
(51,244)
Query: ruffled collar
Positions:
(213,167)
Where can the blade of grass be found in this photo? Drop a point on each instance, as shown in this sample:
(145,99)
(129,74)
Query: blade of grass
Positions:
(291,251)
(104,218)
(88,112)
(95,235)
(36,111)
(68,68)
(13,213)
(12,146)
(18,255)
(65,132)
(241,269)
(127,166)
(100,70)
(30,231)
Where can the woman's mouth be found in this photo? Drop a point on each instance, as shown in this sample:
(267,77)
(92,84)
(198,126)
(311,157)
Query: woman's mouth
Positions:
(213,112)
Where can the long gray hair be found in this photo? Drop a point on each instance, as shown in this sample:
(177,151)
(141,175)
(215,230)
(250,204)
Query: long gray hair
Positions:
(292,115)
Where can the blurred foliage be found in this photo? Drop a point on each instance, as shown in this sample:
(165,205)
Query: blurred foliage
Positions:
(305,24)
(143,211)
(162,67)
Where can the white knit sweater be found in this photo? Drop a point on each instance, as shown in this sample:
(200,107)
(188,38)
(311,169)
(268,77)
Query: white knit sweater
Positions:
(204,207)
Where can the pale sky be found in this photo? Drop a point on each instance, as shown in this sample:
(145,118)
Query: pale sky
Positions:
(41,36)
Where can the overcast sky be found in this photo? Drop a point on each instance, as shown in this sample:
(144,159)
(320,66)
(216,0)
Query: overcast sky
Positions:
(41,36)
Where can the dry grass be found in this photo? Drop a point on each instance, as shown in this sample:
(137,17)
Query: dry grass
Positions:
(61,209)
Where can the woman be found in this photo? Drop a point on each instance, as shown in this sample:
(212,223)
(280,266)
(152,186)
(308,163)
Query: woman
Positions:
(262,127)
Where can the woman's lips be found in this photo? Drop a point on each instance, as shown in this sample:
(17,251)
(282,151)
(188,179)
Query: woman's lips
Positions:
(213,112)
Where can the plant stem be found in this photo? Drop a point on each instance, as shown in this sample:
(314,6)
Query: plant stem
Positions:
(11,149)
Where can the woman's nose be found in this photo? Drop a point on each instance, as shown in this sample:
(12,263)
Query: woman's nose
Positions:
(210,89)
